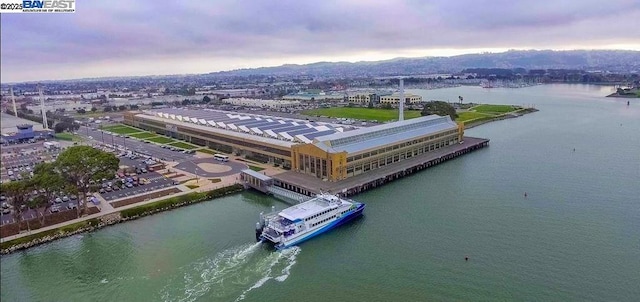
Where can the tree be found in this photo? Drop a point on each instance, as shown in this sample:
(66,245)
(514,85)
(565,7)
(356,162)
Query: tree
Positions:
(94,109)
(133,107)
(81,164)
(122,108)
(386,106)
(81,111)
(107,109)
(440,108)
(370,105)
(60,127)
(18,193)
(206,99)
(49,180)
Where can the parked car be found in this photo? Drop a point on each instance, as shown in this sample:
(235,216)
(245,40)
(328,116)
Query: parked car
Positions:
(58,200)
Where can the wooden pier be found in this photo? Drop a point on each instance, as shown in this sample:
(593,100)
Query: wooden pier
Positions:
(309,185)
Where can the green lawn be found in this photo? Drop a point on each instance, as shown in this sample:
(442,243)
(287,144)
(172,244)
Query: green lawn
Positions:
(493,108)
(66,136)
(367,114)
(160,140)
(207,150)
(122,129)
(183,145)
(470,115)
(255,168)
(143,135)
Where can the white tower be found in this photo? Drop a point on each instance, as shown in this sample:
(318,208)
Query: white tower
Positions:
(401,104)
(13,100)
(45,124)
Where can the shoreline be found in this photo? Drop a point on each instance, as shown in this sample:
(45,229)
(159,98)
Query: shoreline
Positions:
(93,224)
(481,121)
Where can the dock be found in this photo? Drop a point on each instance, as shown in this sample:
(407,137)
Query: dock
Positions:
(309,186)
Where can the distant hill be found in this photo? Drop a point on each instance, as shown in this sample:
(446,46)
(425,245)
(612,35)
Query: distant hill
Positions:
(590,60)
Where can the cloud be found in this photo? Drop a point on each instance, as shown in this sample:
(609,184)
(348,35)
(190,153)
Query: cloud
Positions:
(120,37)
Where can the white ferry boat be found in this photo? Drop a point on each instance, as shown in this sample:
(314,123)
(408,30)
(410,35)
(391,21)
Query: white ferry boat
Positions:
(305,220)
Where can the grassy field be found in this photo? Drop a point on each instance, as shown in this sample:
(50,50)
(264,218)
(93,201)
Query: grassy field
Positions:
(66,136)
(160,140)
(484,112)
(255,168)
(143,135)
(367,114)
(470,115)
(493,108)
(122,129)
(183,145)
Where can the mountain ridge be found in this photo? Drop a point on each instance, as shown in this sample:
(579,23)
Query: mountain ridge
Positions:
(609,60)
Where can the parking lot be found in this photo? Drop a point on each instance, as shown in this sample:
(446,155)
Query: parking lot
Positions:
(60,203)
(130,186)
(21,160)
(133,144)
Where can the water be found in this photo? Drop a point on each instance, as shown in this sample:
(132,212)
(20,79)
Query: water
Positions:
(576,237)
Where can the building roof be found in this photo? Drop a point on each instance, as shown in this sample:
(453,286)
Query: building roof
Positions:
(239,135)
(257,175)
(380,135)
(230,121)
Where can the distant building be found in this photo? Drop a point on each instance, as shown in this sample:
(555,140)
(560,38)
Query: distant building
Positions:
(360,98)
(272,104)
(25,133)
(395,99)
(313,95)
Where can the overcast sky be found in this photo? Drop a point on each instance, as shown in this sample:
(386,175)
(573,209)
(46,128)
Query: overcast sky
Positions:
(144,37)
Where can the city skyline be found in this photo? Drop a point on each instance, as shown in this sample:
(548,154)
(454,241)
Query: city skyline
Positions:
(156,38)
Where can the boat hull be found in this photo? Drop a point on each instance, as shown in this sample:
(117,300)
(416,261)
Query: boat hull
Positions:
(334,224)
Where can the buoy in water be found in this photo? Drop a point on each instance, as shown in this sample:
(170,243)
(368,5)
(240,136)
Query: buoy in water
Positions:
(466,258)
(525,194)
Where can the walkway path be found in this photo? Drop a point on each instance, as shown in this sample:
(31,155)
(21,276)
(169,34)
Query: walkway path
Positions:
(106,208)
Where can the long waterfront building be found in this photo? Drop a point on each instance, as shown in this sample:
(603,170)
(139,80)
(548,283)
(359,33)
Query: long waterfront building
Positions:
(327,151)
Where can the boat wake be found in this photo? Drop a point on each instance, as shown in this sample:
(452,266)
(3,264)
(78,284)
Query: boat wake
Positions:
(228,274)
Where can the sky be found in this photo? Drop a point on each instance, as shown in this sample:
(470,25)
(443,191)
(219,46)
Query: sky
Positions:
(144,37)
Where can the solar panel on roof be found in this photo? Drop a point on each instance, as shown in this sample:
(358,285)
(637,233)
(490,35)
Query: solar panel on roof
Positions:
(316,134)
(301,131)
(290,128)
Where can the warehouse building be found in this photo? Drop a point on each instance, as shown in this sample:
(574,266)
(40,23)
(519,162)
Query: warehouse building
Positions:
(327,151)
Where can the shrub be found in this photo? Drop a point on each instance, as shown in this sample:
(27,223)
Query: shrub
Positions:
(175,201)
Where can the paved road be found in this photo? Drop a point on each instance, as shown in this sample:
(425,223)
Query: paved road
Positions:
(191,166)
(133,144)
